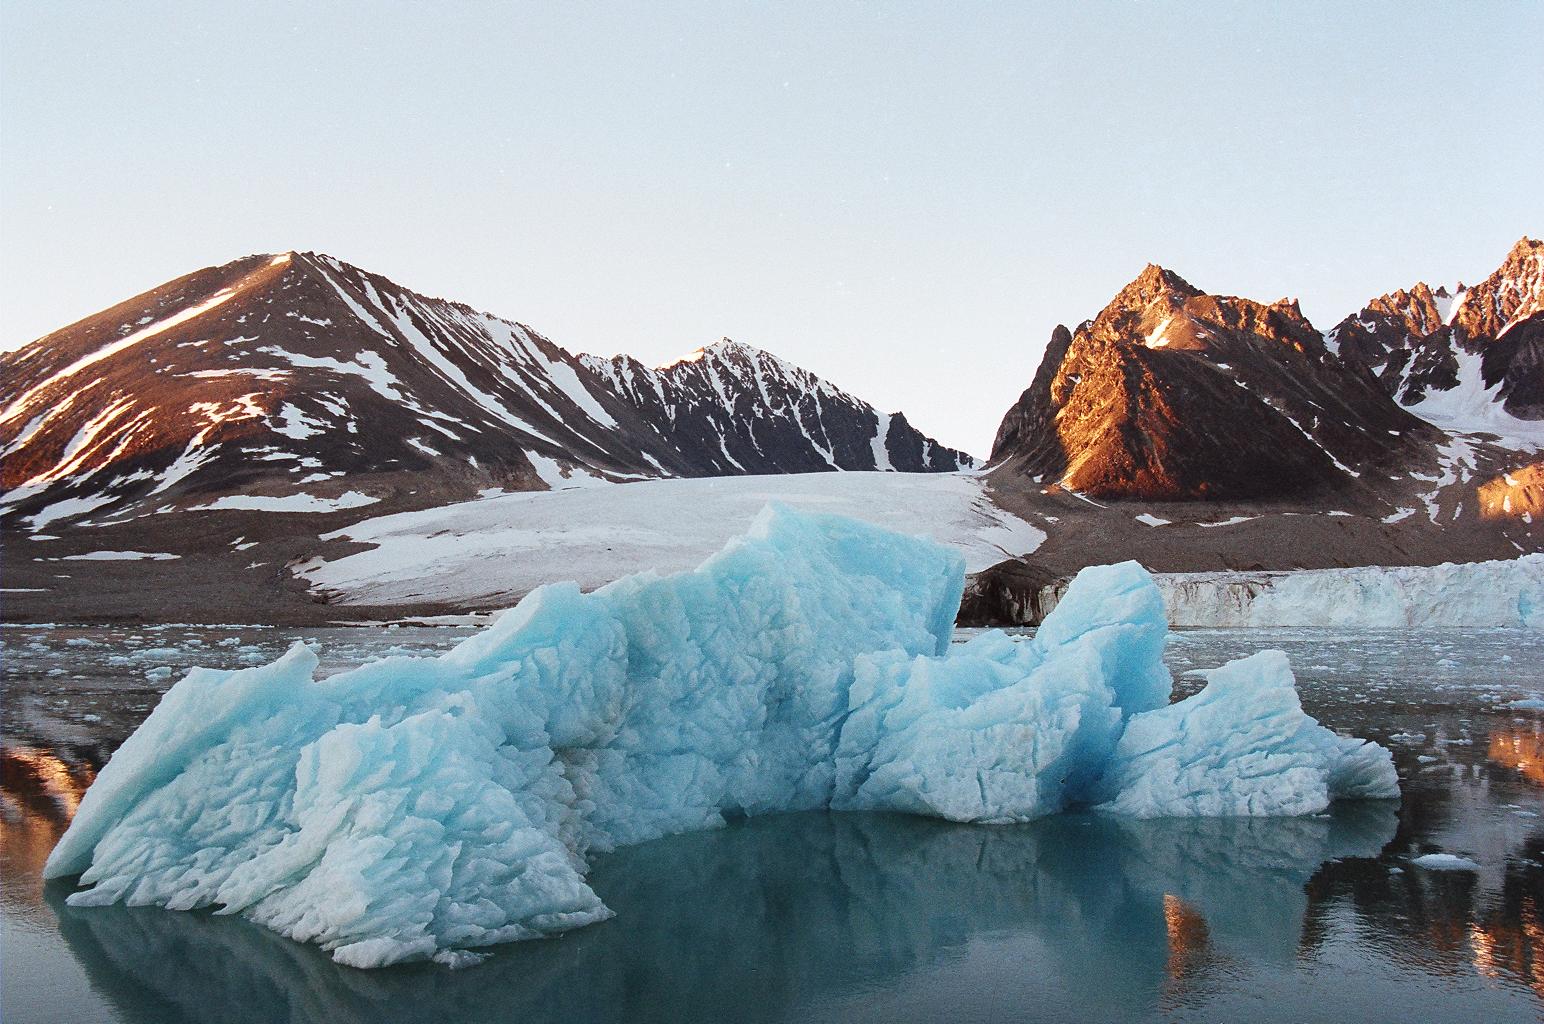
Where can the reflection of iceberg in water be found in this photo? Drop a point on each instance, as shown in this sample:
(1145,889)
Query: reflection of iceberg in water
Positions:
(776,914)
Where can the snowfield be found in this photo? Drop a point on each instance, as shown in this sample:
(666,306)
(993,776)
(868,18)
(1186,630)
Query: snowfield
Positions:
(1506,594)
(494,550)
(425,807)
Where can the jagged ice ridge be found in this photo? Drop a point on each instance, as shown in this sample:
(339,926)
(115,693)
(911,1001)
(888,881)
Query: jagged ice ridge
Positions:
(418,808)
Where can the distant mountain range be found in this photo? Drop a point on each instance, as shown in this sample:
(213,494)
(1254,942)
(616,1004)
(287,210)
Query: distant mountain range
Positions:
(218,441)
(301,376)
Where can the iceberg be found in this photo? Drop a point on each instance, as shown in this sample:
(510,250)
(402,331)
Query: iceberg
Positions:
(1241,746)
(424,808)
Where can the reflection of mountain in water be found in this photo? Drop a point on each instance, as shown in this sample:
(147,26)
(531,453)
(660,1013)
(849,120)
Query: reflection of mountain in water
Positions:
(1521,749)
(39,791)
(782,916)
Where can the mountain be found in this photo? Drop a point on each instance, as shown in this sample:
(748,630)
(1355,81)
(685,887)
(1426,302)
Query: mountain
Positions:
(1466,358)
(299,382)
(1197,432)
(733,408)
(1173,394)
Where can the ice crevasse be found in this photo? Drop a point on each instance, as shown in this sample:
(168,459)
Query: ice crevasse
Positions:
(418,808)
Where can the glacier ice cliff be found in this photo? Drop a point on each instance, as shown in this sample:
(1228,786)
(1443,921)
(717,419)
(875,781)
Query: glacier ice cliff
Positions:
(1483,595)
(421,808)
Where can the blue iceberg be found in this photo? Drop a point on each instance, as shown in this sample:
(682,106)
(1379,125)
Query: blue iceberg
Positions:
(423,808)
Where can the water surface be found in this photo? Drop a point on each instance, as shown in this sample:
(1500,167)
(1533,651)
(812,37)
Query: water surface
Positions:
(815,917)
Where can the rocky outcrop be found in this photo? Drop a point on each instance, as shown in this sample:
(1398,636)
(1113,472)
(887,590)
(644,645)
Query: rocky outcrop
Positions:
(1518,494)
(1174,394)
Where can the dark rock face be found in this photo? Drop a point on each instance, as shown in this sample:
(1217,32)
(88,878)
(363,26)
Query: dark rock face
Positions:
(731,408)
(1404,341)
(1010,593)
(1174,394)
(273,373)
(1515,361)
(1414,342)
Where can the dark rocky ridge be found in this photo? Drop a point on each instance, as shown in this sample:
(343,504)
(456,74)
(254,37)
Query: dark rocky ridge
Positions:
(1413,340)
(734,408)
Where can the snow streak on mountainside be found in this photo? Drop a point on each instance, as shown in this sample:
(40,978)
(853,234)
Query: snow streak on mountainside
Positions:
(1171,393)
(274,373)
(1470,359)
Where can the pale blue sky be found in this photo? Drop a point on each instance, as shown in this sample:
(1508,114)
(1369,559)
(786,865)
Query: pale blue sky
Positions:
(905,198)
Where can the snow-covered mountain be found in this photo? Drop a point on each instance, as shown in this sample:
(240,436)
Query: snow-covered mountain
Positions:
(733,408)
(299,382)
(1466,358)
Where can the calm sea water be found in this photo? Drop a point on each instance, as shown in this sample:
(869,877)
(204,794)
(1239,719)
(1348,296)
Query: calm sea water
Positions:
(857,917)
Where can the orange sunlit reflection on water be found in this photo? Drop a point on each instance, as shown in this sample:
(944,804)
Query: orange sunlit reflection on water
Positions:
(1512,950)
(1520,749)
(39,793)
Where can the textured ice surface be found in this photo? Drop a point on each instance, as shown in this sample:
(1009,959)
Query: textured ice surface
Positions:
(1241,746)
(424,807)
(1001,730)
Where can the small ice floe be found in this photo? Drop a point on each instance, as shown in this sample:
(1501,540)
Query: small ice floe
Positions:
(1527,704)
(1408,737)
(1445,862)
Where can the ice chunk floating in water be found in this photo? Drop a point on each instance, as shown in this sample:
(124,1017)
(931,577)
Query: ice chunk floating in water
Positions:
(421,808)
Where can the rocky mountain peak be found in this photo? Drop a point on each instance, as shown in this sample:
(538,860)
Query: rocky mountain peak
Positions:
(1171,393)
(1509,296)
(1452,355)
(1153,284)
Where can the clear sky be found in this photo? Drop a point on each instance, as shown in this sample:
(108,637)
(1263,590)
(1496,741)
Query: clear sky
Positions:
(905,198)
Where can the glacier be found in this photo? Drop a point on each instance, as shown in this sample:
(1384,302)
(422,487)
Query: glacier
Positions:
(424,808)
(1508,594)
